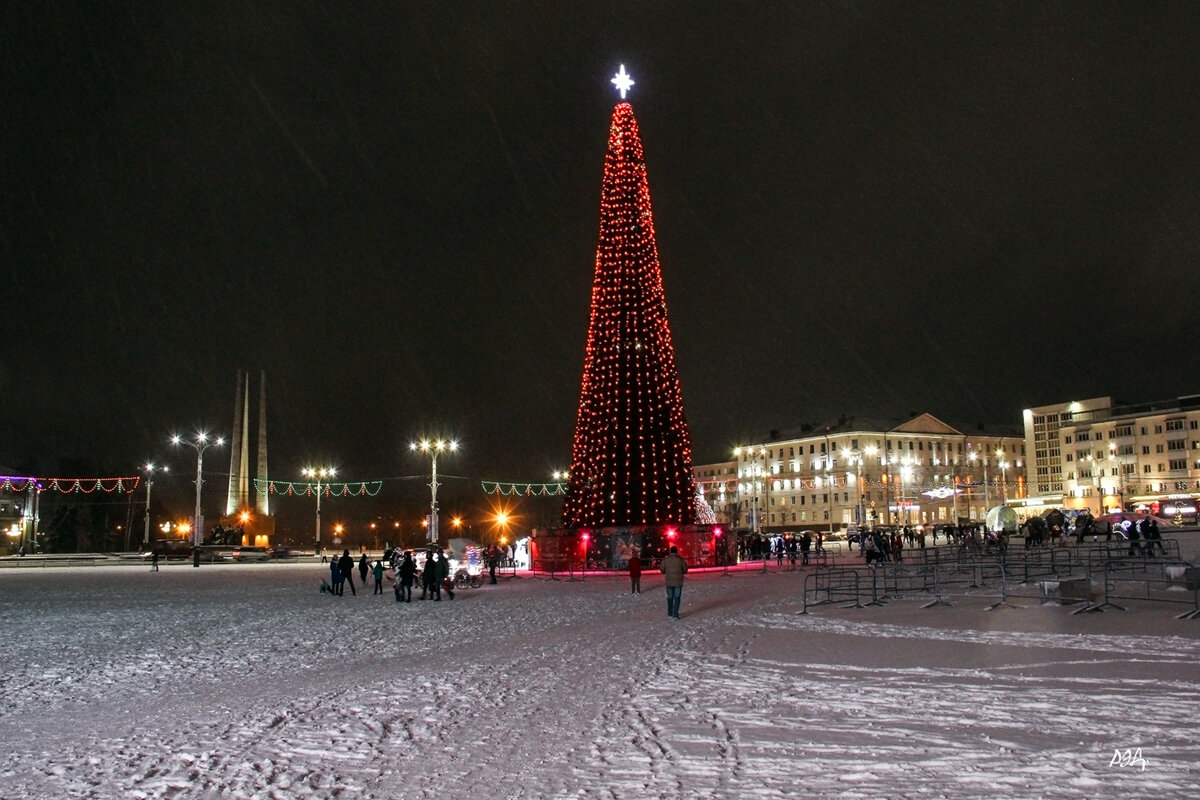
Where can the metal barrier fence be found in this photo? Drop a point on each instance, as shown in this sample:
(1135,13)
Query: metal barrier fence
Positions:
(1070,575)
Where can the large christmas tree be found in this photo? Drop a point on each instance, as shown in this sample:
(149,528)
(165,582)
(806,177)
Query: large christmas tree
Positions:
(631,461)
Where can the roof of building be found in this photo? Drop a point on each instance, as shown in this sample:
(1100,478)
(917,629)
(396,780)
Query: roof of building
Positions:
(915,424)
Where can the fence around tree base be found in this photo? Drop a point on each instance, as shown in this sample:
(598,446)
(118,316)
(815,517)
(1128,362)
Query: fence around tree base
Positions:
(1091,577)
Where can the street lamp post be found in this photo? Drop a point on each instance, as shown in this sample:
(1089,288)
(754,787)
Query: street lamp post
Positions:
(1119,471)
(318,474)
(150,468)
(432,448)
(1098,477)
(1004,482)
(829,483)
(200,442)
(972,457)
(906,471)
(857,457)
(985,486)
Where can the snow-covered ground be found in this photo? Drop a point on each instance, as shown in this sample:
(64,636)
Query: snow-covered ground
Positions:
(239,681)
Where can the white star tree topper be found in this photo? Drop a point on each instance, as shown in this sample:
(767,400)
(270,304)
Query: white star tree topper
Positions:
(622,81)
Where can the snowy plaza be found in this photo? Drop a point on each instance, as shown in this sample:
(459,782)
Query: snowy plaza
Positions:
(243,681)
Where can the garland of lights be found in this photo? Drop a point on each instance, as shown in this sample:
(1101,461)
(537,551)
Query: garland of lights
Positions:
(526,489)
(290,488)
(812,484)
(70,485)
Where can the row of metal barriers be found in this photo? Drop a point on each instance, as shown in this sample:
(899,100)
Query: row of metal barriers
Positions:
(1092,577)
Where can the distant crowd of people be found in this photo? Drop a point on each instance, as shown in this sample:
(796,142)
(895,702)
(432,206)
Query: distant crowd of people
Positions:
(403,569)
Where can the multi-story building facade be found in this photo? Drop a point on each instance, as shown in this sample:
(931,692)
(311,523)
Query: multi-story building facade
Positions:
(718,485)
(873,472)
(1104,456)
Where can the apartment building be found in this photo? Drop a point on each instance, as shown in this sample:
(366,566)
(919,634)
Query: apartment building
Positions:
(1102,455)
(867,471)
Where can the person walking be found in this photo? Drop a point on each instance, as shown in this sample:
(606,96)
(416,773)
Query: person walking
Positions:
(377,573)
(635,573)
(346,567)
(673,569)
(364,567)
(154,560)
(405,572)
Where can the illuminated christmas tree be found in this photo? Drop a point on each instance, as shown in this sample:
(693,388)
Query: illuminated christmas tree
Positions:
(631,460)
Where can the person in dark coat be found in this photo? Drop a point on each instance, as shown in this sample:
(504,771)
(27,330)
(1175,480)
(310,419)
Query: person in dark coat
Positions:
(635,574)
(346,567)
(493,561)
(443,573)
(335,577)
(673,569)
(363,568)
(1135,535)
(377,574)
(431,581)
(406,572)
(1154,538)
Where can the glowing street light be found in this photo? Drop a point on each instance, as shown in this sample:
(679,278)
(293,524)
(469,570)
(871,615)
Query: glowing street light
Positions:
(1003,481)
(754,471)
(200,442)
(856,457)
(720,551)
(318,474)
(906,472)
(433,448)
(149,469)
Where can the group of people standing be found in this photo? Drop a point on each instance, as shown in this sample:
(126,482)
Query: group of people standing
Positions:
(405,573)
(341,573)
(1144,537)
(435,577)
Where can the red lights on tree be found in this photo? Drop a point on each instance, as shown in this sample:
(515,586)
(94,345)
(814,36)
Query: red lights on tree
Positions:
(631,459)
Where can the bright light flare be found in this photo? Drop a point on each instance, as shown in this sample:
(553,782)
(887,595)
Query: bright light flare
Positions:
(435,446)
(623,81)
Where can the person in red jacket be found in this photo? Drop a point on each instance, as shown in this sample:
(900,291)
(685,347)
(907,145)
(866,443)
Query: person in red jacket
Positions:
(635,574)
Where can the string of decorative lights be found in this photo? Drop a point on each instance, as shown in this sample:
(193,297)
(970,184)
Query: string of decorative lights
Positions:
(17,484)
(306,489)
(631,457)
(844,482)
(526,489)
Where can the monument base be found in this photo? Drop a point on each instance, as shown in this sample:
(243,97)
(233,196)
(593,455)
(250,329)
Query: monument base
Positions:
(609,548)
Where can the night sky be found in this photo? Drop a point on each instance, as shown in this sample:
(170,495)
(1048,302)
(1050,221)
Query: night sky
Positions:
(862,208)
